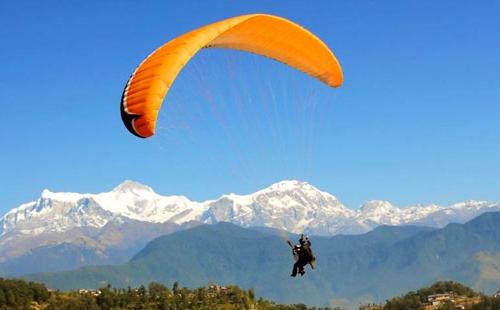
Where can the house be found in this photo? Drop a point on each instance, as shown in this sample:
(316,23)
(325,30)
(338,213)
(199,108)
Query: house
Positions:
(440,297)
(92,292)
(437,299)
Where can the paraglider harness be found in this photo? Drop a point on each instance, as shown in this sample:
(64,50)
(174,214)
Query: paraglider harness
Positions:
(302,254)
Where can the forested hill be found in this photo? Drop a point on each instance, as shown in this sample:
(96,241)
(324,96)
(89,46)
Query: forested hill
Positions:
(374,266)
(18,294)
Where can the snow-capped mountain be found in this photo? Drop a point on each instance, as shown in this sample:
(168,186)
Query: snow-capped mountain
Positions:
(294,206)
(290,205)
(59,212)
(115,224)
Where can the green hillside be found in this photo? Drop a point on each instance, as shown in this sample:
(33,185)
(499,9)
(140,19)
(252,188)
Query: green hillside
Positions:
(370,267)
(18,294)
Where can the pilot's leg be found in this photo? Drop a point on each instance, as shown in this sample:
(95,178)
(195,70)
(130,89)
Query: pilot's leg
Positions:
(294,271)
(301,269)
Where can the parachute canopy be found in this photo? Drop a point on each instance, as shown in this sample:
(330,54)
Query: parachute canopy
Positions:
(266,35)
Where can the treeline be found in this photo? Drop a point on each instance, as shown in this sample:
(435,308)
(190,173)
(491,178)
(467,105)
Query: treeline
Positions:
(25,295)
(416,300)
(19,294)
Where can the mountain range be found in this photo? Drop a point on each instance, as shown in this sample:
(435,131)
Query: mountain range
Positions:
(384,262)
(62,231)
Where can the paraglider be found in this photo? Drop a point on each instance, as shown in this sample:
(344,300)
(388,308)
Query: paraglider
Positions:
(303,255)
(267,35)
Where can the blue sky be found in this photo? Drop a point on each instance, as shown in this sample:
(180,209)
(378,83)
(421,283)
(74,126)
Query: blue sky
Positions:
(417,120)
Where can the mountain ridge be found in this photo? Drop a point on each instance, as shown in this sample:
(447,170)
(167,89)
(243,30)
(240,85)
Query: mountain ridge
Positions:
(305,208)
(349,266)
(132,214)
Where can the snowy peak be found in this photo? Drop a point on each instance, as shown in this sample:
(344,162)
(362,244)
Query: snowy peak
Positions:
(376,206)
(61,196)
(60,212)
(299,193)
(294,186)
(287,185)
(133,187)
(46,193)
(471,204)
(292,205)
(286,195)
(379,212)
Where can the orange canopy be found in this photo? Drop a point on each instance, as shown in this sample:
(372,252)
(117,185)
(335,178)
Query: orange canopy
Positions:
(266,35)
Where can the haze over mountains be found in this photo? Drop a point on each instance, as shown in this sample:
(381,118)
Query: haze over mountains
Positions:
(110,227)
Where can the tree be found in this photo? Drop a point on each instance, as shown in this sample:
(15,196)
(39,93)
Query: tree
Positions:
(106,298)
(448,306)
(175,287)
